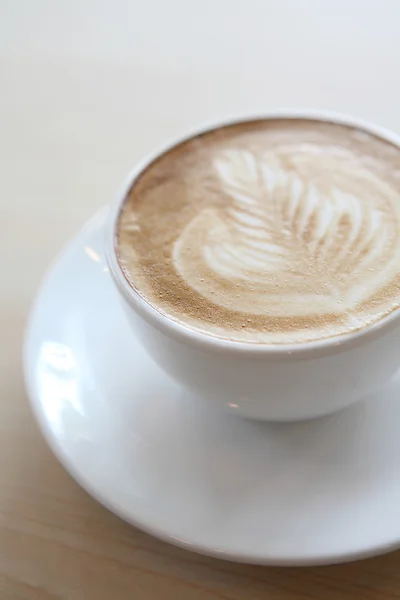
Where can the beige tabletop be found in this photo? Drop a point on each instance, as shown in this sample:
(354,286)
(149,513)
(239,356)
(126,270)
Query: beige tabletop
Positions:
(86,88)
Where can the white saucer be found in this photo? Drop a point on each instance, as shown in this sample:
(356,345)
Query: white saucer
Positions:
(316,492)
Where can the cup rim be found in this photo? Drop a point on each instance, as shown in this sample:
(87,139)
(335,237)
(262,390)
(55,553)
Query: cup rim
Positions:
(209,341)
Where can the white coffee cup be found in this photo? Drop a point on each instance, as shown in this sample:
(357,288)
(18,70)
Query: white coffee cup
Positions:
(260,381)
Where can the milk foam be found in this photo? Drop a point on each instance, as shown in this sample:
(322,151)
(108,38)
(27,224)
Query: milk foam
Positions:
(292,233)
(286,239)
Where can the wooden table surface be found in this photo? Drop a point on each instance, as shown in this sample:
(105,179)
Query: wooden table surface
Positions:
(86,88)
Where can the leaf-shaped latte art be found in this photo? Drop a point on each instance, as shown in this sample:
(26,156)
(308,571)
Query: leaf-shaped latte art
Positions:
(287,242)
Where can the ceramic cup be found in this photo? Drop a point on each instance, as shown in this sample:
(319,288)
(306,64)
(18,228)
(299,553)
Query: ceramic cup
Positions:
(279,383)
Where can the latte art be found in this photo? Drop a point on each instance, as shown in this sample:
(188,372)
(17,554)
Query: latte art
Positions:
(273,232)
(284,236)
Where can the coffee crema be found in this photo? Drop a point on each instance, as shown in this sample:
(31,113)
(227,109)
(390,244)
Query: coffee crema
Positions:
(272,231)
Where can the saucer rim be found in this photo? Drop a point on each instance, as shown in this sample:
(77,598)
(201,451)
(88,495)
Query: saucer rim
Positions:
(29,359)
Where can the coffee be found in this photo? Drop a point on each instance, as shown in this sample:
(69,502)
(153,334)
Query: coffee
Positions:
(271,231)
